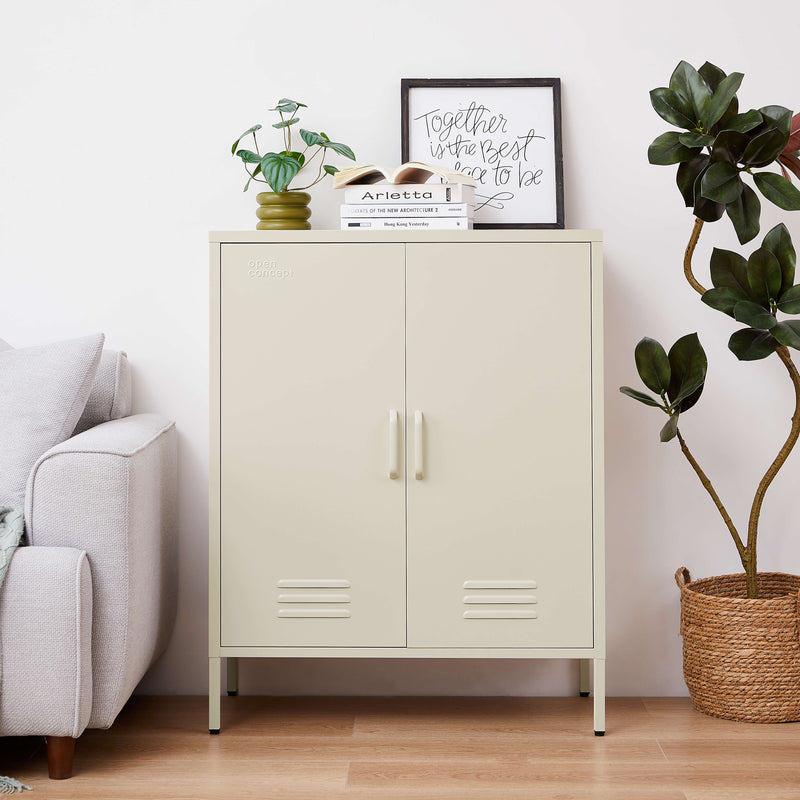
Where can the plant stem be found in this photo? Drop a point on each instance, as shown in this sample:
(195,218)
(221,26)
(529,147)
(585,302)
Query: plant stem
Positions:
(687,258)
(319,172)
(715,497)
(780,460)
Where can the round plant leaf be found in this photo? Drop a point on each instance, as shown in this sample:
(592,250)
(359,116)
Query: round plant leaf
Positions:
(764,148)
(788,333)
(329,169)
(712,75)
(673,108)
(707,210)
(667,149)
(721,183)
(640,396)
(778,190)
(286,123)
(752,345)
(745,213)
(754,315)
(691,400)
(695,139)
(777,117)
(790,301)
(311,138)
(723,299)
(729,269)
(652,365)
(278,170)
(248,156)
(688,365)
(729,146)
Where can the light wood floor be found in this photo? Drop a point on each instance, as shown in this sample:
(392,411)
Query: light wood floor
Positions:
(420,748)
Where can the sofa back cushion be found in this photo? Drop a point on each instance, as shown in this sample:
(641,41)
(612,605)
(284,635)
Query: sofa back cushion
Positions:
(110,397)
(43,391)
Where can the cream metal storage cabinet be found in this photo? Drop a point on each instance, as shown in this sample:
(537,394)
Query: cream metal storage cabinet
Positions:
(406,448)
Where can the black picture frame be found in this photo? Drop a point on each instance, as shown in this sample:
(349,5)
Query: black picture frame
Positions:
(517,204)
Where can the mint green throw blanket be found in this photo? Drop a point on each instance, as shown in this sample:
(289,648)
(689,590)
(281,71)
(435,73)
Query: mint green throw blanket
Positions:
(11,529)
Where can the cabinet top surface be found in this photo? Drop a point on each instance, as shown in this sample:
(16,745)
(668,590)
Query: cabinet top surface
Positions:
(503,235)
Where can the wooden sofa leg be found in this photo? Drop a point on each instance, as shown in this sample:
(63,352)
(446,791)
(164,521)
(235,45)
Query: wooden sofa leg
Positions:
(60,753)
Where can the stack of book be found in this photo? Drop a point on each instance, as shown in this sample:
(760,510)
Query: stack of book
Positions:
(406,202)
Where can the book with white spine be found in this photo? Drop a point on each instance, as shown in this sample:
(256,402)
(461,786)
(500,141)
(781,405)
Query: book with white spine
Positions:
(406,223)
(410,193)
(407,210)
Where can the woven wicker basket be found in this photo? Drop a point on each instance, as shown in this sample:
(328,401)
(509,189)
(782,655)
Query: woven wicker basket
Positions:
(741,658)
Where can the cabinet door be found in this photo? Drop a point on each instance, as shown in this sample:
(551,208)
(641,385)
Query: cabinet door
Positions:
(500,520)
(312,364)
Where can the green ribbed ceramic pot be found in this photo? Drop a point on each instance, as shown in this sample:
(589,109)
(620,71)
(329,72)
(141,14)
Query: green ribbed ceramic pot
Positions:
(283,211)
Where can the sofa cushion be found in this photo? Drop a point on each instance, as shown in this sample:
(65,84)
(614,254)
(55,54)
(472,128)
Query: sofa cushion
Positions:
(43,391)
(110,397)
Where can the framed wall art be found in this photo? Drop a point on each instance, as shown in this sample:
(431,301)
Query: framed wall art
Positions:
(503,132)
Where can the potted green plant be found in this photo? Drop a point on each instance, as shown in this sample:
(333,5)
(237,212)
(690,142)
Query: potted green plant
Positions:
(286,206)
(740,632)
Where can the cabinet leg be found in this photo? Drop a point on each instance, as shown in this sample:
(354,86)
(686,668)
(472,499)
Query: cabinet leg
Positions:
(232,676)
(583,686)
(599,697)
(214,690)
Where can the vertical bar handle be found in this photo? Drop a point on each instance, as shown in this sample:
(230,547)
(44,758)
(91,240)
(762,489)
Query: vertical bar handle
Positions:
(419,458)
(393,458)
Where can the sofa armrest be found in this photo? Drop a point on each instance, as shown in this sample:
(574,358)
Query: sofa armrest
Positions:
(111,491)
(46,640)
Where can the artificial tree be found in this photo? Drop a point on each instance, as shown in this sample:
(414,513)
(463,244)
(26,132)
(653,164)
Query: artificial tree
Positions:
(715,148)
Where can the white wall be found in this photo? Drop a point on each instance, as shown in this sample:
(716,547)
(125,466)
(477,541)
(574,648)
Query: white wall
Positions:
(115,126)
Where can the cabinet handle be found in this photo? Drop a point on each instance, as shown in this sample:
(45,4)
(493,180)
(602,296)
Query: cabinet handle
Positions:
(419,459)
(393,444)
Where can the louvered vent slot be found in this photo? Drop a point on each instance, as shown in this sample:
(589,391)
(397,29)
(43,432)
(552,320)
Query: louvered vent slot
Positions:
(499,599)
(313,598)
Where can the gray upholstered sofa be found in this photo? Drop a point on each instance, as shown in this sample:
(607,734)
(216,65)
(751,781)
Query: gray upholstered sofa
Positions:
(89,604)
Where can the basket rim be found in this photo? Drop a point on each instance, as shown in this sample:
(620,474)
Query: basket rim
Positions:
(696,586)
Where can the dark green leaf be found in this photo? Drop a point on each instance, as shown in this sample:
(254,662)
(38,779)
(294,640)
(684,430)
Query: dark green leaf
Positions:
(723,299)
(246,133)
(788,333)
(745,122)
(729,269)
(752,345)
(777,117)
(286,123)
(729,146)
(745,214)
(689,83)
(278,170)
(652,365)
(686,404)
(721,183)
(666,149)
(688,365)
(712,75)
(778,190)
(779,243)
(721,99)
(790,301)
(341,149)
(695,139)
(670,430)
(687,178)
(311,138)
(640,396)
(329,169)
(707,210)
(248,156)
(764,148)
(764,276)
(673,108)
(754,315)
